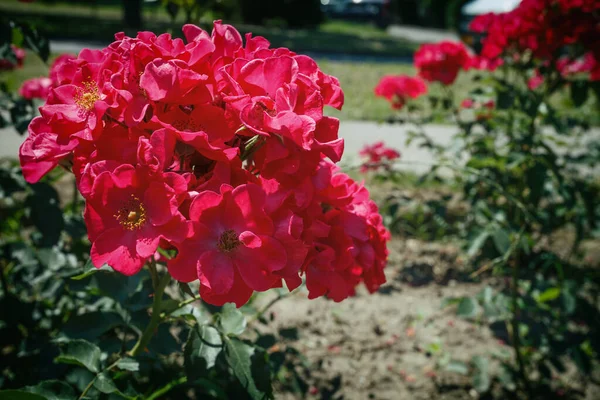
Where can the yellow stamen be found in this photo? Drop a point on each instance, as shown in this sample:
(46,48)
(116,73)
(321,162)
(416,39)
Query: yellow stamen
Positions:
(132,215)
(87,96)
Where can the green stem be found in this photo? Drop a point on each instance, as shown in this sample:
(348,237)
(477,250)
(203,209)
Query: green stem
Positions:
(89,386)
(160,392)
(75,199)
(270,304)
(188,301)
(516,336)
(4,268)
(155,320)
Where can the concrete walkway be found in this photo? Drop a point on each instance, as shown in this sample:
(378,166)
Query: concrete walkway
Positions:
(418,34)
(356,135)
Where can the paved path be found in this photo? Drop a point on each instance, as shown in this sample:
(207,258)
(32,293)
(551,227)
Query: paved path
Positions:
(355,134)
(419,34)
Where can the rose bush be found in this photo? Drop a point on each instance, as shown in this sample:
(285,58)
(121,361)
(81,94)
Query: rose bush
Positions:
(209,161)
(527,168)
(215,148)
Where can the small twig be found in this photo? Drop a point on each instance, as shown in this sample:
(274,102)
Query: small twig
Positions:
(162,391)
(270,304)
(502,259)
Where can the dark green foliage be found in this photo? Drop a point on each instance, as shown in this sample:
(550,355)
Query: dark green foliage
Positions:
(531,201)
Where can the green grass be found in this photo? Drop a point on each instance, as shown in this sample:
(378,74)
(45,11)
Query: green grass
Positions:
(33,67)
(357,79)
(80,22)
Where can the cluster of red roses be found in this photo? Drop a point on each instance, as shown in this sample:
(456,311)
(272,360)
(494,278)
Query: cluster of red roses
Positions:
(377,156)
(436,62)
(545,28)
(217,149)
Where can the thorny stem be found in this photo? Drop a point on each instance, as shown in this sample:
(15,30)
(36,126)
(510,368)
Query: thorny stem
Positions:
(155,320)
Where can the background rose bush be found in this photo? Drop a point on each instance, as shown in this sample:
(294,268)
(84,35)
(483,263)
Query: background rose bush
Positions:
(523,184)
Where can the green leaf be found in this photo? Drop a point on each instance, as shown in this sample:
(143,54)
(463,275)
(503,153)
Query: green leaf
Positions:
(579,92)
(90,270)
(192,312)
(467,308)
(457,367)
(201,350)
(128,364)
(504,100)
(232,321)
(481,382)
(36,42)
(46,214)
(501,240)
(81,352)
(240,356)
(481,377)
(548,295)
(185,288)
(117,286)
(53,390)
(91,325)
(536,178)
(487,295)
(569,301)
(104,384)
(478,243)
(19,395)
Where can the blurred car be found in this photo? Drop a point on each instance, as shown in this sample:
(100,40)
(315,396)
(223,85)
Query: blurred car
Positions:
(377,11)
(474,8)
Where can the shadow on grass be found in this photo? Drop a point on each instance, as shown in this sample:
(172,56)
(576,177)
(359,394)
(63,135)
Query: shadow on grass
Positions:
(92,28)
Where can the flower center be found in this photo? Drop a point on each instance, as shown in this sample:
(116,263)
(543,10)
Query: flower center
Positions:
(132,215)
(87,96)
(228,241)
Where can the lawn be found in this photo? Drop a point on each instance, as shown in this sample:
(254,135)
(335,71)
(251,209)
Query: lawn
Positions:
(358,79)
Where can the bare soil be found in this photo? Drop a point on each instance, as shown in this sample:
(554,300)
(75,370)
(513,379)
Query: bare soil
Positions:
(391,344)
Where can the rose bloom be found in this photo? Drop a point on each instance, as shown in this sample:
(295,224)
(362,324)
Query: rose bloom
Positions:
(217,146)
(542,27)
(441,62)
(467,103)
(36,88)
(535,81)
(398,89)
(376,156)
